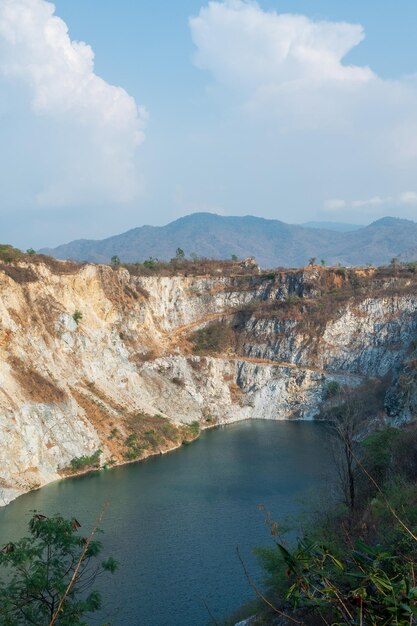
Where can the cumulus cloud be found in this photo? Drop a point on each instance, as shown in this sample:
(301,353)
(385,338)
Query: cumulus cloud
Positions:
(242,44)
(286,78)
(91,129)
(273,60)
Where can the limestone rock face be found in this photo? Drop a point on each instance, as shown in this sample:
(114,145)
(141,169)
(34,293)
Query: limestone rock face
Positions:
(368,338)
(401,398)
(95,359)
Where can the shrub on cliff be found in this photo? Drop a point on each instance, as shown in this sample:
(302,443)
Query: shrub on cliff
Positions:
(77,317)
(48,575)
(88,461)
(8,254)
(215,337)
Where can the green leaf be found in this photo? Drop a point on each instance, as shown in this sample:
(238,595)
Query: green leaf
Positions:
(110,565)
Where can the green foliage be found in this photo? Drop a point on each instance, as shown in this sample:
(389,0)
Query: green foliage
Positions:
(30,251)
(292,298)
(77,316)
(194,428)
(114,433)
(234,258)
(379,448)
(151,263)
(115,261)
(8,254)
(356,566)
(131,440)
(134,448)
(323,262)
(179,254)
(412,267)
(84,462)
(365,585)
(391,457)
(191,432)
(37,570)
(151,438)
(312,261)
(215,337)
(194,266)
(333,389)
(131,454)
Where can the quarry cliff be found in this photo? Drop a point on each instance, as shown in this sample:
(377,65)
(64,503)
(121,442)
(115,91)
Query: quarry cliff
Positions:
(102,365)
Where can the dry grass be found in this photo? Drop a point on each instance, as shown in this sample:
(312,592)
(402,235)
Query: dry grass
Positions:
(100,418)
(103,397)
(216,337)
(18,274)
(236,394)
(152,435)
(128,436)
(55,265)
(139,358)
(36,387)
(187,267)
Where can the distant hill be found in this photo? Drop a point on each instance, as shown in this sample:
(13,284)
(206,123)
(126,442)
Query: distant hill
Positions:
(339,227)
(272,242)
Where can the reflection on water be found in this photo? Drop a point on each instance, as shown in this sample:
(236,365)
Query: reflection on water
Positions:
(174,521)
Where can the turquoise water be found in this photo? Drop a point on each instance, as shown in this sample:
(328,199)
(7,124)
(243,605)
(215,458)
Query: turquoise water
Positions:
(174,521)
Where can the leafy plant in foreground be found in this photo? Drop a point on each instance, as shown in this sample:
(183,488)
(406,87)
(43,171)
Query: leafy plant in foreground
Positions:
(367,585)
(355,567)
(47,576)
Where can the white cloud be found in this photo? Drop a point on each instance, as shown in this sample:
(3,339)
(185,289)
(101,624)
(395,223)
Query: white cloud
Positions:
(242,44)
(332,129)
(292,69)
(406,198)
(335,204)
(280,64)
(375,201)
(92,129)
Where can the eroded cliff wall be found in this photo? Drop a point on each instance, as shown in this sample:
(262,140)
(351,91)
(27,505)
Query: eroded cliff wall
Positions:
(96,359)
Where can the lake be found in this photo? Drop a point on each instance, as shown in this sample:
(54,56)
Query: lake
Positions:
(174,521)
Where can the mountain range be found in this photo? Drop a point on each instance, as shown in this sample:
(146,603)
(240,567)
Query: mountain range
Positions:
(272,242)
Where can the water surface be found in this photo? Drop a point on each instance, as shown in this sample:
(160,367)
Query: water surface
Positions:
(174,521)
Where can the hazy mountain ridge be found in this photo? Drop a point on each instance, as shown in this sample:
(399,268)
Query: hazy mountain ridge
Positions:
(340,227)
(272,242)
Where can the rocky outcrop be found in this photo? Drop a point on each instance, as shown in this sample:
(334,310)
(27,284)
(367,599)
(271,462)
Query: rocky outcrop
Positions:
(369,337)
(401,398)
(98,363)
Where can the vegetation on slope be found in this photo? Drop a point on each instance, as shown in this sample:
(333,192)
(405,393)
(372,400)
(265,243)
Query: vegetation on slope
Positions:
(355,562)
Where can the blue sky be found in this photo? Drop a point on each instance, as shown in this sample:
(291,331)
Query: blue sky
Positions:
(289,109)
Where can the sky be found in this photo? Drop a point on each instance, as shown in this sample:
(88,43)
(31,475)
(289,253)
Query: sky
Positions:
(119,114)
